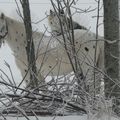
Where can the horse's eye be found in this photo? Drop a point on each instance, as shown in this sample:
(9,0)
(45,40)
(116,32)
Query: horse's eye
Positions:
(51,23)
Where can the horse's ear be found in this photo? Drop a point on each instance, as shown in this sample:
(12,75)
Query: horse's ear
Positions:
(2,16)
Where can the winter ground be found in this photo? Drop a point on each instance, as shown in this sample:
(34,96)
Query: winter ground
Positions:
(84,117)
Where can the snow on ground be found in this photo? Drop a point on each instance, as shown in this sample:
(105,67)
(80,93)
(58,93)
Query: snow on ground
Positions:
(84,117)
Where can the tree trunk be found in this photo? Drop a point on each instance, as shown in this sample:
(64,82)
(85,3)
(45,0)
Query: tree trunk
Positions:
(30,45)
(111,32)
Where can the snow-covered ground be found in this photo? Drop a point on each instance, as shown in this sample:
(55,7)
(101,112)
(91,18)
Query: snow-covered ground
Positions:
(84,117)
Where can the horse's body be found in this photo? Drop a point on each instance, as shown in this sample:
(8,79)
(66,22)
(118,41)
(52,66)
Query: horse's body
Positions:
(51,55)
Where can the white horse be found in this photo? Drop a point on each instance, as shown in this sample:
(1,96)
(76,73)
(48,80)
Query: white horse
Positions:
(50,54)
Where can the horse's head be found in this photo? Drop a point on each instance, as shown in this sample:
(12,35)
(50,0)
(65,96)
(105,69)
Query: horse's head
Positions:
(3,28)
(55,20)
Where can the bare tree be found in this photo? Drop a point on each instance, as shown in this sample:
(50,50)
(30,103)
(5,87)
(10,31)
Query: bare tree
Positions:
(30,45)
(70,48)
(111,32)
